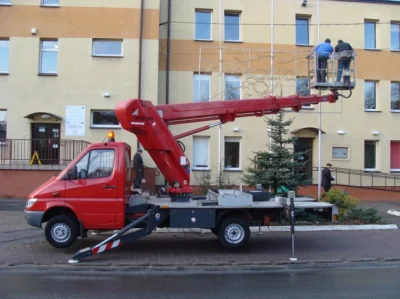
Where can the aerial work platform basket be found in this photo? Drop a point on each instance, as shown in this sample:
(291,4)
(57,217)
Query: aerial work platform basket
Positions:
(336,72)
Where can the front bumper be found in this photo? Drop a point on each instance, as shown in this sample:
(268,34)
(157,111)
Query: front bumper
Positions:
(34,218)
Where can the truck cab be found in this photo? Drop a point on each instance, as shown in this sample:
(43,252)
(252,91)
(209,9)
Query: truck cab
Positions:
(90,194)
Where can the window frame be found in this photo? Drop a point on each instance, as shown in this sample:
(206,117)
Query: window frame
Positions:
(308,19)
(95,40)
(375,142)
(391,93)
(393,23)
(5,4)
(208,167)
(239,15)
(232,140)
(94,126)
(198,10)
(237,78)
(6,72)
(42,3)
(4,141)
(375,93)
(374,22)
(41,72)
(209,76)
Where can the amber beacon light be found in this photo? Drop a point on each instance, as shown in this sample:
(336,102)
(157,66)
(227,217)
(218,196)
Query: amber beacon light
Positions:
(111,136)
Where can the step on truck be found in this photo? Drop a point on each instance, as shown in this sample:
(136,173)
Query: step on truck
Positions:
(94,192)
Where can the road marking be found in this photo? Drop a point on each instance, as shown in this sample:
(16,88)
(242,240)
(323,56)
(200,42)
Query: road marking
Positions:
(394,212)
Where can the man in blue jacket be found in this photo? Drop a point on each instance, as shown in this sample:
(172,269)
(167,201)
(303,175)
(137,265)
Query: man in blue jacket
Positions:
(324,51)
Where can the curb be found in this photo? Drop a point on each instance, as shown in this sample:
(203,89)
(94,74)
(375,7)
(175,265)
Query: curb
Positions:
(311,228)
(394,212)
(208,267)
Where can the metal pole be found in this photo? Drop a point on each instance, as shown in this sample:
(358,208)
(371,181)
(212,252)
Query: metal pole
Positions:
(220,89)
(272,47)
(319,118)
(272,62)
(291,195)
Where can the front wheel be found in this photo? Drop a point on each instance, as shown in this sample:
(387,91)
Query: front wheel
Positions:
(233,232)
(61,231)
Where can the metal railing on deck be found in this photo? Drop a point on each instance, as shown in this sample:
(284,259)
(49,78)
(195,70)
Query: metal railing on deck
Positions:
(48,151)
(364,179)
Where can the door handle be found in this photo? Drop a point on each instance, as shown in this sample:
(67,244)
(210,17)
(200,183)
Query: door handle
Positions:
(109,187)
(55,194)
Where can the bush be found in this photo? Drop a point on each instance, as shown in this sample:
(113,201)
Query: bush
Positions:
(368,215)
(341,199)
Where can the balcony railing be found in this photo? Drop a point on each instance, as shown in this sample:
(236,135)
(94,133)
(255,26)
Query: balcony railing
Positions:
(364,179)
(47,151)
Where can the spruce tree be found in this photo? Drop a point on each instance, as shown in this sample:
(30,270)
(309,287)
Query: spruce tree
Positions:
(278,166)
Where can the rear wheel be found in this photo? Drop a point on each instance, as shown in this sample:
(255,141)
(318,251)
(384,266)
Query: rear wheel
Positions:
(233,232)
(61,231)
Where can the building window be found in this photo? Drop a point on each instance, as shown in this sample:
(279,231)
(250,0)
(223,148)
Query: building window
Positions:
(4,55)
(203,25)
(302,88)
(232,153)
(232,87)
(370,35)
(201,87)
(395,37)
(104,119)
(108,48)
(340,152)
(5,2)
(395,155)
(395,96)
(48,56)
(232,26)
(370,95)
(3,125)
(370,155)
(50,2)
(201,150)
(302,31)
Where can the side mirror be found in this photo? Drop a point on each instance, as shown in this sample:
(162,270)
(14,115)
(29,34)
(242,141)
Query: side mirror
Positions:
(72,173)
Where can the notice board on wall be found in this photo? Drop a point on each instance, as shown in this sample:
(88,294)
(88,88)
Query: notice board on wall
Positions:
(75,120)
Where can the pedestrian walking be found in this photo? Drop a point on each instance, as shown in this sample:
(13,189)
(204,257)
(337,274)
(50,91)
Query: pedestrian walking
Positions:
(327,177)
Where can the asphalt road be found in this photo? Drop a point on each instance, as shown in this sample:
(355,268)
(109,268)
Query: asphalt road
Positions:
(360,282)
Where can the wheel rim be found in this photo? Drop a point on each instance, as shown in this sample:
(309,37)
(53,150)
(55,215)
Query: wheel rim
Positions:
(60,232)
(234,233)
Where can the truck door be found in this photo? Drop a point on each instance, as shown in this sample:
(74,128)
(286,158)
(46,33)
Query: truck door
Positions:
(93,188)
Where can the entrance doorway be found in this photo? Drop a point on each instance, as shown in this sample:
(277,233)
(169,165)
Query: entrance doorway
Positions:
(46,142)
(305,145)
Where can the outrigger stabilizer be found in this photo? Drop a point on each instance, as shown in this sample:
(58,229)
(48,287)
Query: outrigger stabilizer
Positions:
(153,217)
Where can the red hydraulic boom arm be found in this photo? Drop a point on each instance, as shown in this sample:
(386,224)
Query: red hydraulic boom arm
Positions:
(150,124)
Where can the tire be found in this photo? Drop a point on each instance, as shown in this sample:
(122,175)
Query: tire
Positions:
(233,232)
(61,231)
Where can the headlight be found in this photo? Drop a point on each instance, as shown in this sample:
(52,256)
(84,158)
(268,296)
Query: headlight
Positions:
(30,202)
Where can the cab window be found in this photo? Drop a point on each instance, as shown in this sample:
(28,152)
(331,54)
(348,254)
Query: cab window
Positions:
(95,164)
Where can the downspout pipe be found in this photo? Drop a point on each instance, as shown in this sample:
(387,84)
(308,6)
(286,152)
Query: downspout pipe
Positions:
(140,50)
(168,53)
(140,56)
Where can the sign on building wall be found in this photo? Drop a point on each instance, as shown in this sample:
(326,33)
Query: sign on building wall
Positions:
(75,121)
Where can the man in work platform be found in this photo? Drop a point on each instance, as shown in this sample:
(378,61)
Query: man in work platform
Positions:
(324,51)
(139,168)
(327,177)
(344,61)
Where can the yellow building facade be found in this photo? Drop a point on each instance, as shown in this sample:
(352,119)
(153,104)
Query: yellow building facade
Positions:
(65,64)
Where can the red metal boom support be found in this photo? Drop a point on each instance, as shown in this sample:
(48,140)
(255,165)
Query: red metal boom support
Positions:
(149,123)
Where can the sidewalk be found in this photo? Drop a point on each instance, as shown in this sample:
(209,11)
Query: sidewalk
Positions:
(23,244)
